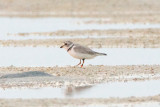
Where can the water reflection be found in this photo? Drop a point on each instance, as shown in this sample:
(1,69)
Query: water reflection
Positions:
(106,90)
(115,89)
(69,91)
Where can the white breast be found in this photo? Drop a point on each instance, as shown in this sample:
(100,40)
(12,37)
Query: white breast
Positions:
(80,55)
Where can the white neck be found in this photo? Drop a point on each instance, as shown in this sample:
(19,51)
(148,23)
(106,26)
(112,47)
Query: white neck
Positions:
(66,48)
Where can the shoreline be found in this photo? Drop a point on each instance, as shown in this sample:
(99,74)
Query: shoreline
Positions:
(75,76)
(151,100)
(118,42)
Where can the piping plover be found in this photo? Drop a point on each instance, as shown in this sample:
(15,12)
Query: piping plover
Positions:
(80,52)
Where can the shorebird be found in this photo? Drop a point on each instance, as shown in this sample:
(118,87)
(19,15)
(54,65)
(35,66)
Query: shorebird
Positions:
(80,52)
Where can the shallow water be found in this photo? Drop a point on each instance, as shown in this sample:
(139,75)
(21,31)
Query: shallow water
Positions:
(107,90)
(17,37)
(42,56)
(28,25)
(143,104)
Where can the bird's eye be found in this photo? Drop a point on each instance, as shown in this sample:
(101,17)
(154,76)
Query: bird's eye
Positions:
(65,44)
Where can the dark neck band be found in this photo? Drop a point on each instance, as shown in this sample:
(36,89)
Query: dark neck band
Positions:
(70,48)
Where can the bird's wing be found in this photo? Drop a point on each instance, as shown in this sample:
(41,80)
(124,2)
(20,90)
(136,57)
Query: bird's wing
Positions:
(85,50)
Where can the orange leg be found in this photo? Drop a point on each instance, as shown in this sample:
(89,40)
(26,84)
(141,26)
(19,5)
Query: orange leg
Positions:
(79,62)
(82,63)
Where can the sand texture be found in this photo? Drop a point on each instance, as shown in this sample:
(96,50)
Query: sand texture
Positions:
(74,76)
(118,10)
(130,101)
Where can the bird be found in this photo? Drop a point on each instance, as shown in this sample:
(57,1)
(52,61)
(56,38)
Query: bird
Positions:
(80,52)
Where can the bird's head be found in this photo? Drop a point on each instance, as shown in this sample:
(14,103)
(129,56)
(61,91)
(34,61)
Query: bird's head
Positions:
(66,45)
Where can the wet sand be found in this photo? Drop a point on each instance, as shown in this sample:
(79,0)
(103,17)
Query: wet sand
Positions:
(118,42)
(117,10)
(104,12)
(133,38)
(132,101)
(74,76)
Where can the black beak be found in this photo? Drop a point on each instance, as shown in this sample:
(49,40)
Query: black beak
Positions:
(62,46)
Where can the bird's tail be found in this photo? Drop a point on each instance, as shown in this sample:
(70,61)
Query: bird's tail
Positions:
(103,54)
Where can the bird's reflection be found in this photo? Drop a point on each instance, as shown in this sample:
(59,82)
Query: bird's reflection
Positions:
(70,90)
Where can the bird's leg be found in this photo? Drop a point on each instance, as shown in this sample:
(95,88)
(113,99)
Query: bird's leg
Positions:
(82,63)
(79,62)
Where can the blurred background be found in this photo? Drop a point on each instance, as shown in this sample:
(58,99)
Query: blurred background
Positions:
(34,71)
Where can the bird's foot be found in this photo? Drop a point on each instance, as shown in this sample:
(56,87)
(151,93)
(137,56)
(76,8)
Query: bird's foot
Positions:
(76,65)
